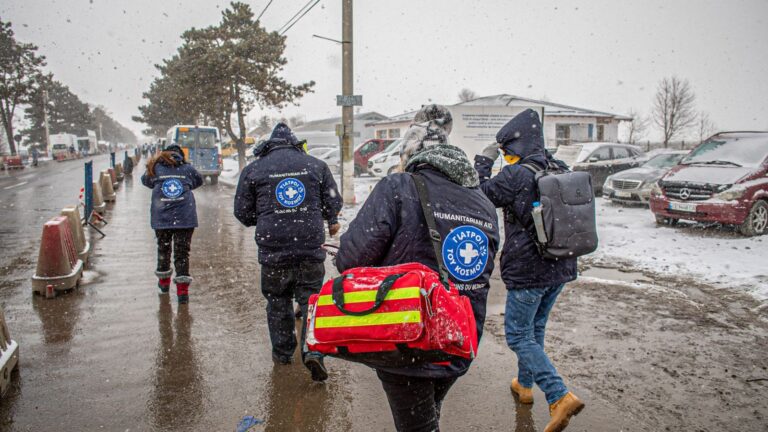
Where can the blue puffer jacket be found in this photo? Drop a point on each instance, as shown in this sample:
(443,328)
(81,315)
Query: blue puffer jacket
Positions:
(514,190)
(173,203)
(287,195)
(390,229)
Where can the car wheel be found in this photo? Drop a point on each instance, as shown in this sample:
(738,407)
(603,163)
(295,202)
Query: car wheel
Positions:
(392,169)
(214,180)
(661,220)
(756,222)
(358,172)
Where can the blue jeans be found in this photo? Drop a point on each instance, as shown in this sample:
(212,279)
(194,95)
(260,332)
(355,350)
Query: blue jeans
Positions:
(525,321)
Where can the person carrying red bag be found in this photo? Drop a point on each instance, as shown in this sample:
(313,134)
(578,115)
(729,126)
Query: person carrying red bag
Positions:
(391,229)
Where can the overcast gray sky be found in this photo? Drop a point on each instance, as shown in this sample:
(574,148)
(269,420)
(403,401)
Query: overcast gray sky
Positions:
(605,55)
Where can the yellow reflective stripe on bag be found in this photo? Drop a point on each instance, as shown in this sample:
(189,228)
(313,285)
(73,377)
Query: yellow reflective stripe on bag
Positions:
(369,296)
(383,318)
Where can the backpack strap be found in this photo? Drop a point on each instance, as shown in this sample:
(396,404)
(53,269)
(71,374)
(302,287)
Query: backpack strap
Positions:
(434,234)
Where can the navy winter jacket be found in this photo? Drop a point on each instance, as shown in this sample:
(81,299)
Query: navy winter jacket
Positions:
(514,189)
(173,203)
(391,229)
(287,195)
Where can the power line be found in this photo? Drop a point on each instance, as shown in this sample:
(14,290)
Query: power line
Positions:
(302,16)
(265,9)
(293,17)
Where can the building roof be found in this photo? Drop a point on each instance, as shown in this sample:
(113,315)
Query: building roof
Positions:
(550,108)
(329,124)
(404,117)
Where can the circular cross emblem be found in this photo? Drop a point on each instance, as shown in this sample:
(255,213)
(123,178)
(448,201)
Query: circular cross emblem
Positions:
(172,188)
(290,192)
(465,252)
(685,193)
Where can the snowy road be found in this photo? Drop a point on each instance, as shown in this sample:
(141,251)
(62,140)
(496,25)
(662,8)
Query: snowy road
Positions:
(113,356)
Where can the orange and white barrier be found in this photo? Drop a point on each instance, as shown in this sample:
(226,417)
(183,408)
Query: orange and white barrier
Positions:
(98,199)
(107,186)
(58,266)
(82,245)
(9,355)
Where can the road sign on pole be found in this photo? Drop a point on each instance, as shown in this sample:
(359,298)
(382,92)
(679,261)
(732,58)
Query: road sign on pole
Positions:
(349,100)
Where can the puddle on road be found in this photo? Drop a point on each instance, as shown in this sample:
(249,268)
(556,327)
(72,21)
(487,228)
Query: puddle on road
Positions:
(614,274)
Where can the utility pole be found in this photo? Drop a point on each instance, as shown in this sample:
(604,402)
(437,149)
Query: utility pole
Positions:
(101,137)
(347,111)
(45,122)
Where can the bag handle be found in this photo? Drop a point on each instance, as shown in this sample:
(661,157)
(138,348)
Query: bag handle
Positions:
(337,292)
(434,234)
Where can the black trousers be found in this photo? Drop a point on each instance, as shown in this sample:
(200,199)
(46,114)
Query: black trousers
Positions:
(178,241)
(280,284)
(415,402)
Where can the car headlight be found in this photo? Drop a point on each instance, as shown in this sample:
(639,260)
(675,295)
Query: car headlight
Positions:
(607,184)
(655,189)
(731,194)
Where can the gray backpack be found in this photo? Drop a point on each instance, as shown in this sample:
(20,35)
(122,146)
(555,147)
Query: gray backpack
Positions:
(567,209)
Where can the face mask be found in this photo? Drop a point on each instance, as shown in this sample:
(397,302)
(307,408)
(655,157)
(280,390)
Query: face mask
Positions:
(511,159)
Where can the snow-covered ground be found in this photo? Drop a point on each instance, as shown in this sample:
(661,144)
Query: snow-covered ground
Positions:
(722,257)
(630,239)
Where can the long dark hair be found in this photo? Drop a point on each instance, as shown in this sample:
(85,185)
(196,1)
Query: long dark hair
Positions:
(166,157)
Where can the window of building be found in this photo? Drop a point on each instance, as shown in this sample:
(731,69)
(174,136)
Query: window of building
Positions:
(381,134)
(600,132)
(394,133)
(563,134)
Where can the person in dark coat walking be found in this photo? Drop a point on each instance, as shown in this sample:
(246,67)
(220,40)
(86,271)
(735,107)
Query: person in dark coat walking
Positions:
(173,216)
(390,229)
(533,282)
(288,195)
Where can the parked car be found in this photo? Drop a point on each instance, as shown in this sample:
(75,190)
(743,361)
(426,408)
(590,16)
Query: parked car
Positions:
(365,151)
(386,162)
(600,159)
(331,156)
(724,180)
(633,186)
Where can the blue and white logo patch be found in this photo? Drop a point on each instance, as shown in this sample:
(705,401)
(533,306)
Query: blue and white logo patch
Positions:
(465,252)
(290,192)
(172,188)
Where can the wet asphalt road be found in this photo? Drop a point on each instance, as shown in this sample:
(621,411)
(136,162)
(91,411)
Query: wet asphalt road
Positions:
(113,355)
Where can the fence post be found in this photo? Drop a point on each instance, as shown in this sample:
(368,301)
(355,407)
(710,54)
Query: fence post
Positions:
(88,191)
(112,159)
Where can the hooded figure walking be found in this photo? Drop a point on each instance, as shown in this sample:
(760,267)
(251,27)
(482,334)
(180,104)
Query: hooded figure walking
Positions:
(287,195)
(533,282)
(391,229)
(173,216)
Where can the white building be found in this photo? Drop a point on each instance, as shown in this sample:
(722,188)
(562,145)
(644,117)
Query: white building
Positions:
(563,124)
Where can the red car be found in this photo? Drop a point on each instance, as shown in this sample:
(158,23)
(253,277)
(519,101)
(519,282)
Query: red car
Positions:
(366,151)
(724,180)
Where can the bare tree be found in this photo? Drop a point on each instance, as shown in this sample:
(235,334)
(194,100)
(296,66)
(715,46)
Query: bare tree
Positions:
(704,126)
(673,107)
(637,126)
(466,95)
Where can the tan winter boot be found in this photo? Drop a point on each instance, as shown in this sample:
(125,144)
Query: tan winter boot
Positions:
(524,394)
(561,412)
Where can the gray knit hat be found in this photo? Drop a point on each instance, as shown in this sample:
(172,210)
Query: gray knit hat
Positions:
(432,125)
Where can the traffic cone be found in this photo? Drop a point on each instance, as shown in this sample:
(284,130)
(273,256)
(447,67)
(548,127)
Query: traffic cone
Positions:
(98,199)
(82,245)
(57,263)
(113,176)
(107,186)
(119,172)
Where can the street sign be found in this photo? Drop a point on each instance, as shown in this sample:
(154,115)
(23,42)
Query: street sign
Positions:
(349,100)
(340,131)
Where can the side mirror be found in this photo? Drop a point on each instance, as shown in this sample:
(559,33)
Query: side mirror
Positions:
(593,159)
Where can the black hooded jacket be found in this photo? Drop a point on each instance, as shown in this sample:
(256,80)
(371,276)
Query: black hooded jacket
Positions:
(514,190)
(287,195)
